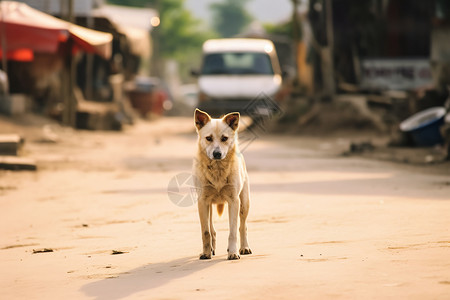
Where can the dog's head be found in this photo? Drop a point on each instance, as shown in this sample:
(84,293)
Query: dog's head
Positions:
(216,136)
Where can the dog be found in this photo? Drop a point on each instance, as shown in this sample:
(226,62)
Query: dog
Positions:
(221,178)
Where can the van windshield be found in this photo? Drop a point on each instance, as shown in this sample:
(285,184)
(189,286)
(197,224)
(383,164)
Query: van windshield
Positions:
(237,63)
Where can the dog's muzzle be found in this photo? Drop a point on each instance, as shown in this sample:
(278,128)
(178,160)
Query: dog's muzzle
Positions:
(217,155)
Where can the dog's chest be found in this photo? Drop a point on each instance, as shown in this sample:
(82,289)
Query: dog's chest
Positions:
(217,175)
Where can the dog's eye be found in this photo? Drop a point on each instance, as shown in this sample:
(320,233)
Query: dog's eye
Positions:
(224,139)
(209,138)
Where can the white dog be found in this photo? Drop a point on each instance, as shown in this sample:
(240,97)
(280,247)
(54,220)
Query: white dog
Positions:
(221,175)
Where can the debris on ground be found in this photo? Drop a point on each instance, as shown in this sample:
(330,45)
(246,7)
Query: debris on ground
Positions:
(44,250)
(14,163)
(49,135)
(365,117)
(116,252)
(345,113)
(10,144)
(361,147)
(408,155)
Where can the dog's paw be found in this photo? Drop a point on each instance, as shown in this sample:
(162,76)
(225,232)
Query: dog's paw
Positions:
(245,251)
(205,256)
(233,256)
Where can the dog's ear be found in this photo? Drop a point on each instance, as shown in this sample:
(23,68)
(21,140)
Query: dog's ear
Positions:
(201,118)
(232,119)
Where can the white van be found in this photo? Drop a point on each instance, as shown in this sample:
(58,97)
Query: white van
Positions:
(235,73)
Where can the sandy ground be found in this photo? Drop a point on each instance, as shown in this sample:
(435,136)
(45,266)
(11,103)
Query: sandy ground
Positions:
(321,226)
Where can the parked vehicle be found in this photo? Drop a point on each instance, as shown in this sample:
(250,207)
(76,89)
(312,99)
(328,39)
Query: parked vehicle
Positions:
(238,74)
(148,95)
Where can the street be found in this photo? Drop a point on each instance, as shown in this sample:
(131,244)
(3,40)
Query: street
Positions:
(95,221)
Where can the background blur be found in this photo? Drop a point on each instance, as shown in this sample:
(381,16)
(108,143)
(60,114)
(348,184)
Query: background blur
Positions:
(346,139)
(393,53)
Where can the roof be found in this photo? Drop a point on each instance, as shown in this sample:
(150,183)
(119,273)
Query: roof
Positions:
(235,45)
(26,28)
(138,18)
(54,7)
(135,23)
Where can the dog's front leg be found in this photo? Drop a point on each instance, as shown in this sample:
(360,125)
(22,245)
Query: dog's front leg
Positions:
(233,211)
(212,231)
(203,211)
(243,213)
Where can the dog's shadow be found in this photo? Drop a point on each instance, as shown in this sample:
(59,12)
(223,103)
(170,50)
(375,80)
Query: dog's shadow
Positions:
(146,278)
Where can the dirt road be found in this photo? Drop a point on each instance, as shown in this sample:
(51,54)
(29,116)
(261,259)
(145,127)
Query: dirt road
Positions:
(95,222)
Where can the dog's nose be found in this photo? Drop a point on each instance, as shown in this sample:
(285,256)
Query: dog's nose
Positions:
(217,155)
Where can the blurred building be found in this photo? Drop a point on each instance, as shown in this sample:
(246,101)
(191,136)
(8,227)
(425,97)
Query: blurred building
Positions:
(96,78)
(132,44)
(37,50)
(385,44)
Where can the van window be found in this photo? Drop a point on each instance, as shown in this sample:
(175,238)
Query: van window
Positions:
(237,63)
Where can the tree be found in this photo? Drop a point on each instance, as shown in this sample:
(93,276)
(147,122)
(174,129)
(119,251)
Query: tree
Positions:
(230,17)
(179,35)
(286,29)
(138,3)
(179,32)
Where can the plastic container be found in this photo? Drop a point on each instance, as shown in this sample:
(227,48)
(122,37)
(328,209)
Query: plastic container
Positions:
(424,126)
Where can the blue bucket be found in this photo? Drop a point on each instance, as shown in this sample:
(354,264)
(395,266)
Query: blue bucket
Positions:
(424,126)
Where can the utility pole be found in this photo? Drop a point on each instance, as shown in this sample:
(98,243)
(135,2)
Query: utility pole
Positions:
(68,78)
(296,39)
(89,57)
(328,51)
(156,64)
(4,46)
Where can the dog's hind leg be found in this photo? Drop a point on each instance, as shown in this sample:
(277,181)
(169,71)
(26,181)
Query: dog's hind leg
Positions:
(212,230)
(243,213)
(204,209)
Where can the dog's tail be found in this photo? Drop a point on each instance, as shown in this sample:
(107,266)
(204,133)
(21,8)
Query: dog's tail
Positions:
(220,209)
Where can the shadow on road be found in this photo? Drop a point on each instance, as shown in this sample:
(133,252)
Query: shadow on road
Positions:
(146,278)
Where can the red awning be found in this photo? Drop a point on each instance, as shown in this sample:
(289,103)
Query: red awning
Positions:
(28,30)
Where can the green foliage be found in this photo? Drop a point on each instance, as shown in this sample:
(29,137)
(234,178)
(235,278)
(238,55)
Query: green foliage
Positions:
(230,17)
(280,29)
(179,32)
(181,36)
(138,3)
